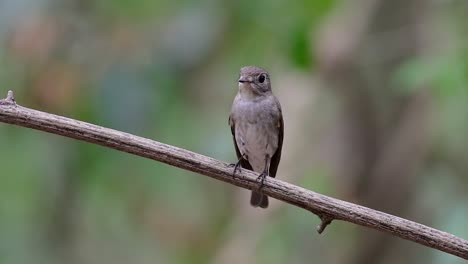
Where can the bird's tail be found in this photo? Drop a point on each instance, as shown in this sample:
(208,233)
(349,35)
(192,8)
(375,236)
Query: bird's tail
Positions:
(257,199)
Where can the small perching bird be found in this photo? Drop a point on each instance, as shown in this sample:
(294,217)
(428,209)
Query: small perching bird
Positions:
(257,127)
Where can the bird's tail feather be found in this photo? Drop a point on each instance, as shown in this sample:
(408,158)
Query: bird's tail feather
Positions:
(257,199)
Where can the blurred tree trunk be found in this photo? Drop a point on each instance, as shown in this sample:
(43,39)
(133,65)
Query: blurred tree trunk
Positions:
(64,196)
(386,130)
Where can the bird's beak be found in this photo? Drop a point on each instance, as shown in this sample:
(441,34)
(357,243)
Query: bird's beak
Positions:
(243,79)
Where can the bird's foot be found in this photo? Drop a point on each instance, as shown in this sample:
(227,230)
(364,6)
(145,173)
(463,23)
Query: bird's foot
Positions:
(237,168)
(261,179)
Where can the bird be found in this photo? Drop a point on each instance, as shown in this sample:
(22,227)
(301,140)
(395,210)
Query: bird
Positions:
(257,128)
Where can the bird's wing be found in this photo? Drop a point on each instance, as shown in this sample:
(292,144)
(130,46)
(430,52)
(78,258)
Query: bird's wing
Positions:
(274,162)
(243,162)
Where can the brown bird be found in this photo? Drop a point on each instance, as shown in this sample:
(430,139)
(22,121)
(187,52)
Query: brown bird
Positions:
(257,127)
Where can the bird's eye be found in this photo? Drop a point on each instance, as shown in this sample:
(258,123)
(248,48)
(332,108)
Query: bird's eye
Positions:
(261,78)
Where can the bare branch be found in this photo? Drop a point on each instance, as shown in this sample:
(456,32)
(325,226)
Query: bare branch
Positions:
(325,207)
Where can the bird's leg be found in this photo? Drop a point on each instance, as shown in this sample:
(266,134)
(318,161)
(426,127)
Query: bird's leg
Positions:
(266,172)
(237,165)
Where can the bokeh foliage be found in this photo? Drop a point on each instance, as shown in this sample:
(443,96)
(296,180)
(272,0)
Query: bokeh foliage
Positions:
(167,70)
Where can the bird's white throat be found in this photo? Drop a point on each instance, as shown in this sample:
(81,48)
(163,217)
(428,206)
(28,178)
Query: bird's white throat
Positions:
(246,91)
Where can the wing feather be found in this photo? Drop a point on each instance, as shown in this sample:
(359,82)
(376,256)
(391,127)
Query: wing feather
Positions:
(277,156)
(243,162)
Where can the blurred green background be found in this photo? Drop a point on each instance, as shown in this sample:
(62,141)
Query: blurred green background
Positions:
(374,95)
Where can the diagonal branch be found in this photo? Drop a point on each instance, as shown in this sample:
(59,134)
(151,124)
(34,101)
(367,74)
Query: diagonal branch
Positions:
(325,207)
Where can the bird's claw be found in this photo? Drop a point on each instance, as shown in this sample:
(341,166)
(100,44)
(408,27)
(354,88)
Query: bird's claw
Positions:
(236,168)
(261,179)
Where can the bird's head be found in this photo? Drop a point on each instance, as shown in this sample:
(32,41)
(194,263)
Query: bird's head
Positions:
(254,81)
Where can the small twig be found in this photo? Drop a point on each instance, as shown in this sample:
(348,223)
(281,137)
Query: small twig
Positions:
(9,100)
(325,220)
(325,207)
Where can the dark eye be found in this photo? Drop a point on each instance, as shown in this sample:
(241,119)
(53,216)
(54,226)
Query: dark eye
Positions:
(261,78)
